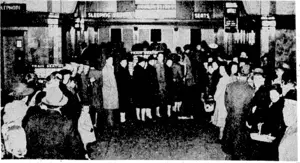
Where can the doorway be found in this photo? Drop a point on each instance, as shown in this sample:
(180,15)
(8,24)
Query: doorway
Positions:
(12,57)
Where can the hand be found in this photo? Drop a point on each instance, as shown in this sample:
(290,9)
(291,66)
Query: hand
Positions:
(253,109)
(249,126)
(259,125)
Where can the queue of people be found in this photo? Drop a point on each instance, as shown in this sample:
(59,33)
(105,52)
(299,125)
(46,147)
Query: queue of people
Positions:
(106,87)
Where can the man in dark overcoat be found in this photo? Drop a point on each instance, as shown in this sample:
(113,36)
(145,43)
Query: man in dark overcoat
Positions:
(238,96)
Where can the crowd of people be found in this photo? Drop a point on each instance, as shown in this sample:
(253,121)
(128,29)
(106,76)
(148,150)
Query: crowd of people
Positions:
(252,104)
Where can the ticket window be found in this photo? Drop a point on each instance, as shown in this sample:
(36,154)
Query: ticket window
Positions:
(116,35)
(155,35)
(195,36)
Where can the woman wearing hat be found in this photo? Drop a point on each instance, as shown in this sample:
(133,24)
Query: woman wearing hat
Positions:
(142,91)
(271,127)
(178,83)
(51,135)
(110,91)
(124,88)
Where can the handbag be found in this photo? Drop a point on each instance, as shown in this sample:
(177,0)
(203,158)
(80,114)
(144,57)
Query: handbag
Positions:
(209,104)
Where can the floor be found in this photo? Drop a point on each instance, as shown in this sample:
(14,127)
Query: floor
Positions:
(160,140)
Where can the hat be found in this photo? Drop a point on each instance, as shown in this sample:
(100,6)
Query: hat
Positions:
(151,57)
(54,97)
(245,70)
(123,57)
(141,59)
(21,89)
(258,71)
(213,46)
(96,74)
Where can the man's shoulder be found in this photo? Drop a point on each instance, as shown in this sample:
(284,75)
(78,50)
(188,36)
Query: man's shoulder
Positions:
(239,85)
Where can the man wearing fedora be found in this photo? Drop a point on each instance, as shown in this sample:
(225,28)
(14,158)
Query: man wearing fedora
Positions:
(50,134)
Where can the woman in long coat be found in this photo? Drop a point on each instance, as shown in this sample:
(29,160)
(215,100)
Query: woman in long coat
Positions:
(220,113)
(178,83)
(110,90)
(143,96)
(124,88)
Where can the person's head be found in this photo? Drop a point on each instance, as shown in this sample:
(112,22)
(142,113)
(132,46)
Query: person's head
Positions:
(141,61)
(72,83)
(243,55)
(66,74)
(235,59)
(30,80)
(151,60)
(178,50)
(53,80)
(198,47)
(215,65)
(160,57)
(20,91)
(279,71)
(288,81)
(109,61)
(275,92)
(233,68)
(86,69)
(80,68)
(123,63)
(85,109)
(169,62)
(54,98)
(187,48)
(224,70)
(258,77)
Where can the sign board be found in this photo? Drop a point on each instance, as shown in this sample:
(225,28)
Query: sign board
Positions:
(145,52)
(198,15)
(109,15)
(13,7)
(42,71)
(155,6)
(268,21)
(230,24)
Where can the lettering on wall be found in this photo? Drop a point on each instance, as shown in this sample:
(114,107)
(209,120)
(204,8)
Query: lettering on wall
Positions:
(13,7)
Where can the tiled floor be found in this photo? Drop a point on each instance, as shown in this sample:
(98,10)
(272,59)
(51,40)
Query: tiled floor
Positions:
(162,140)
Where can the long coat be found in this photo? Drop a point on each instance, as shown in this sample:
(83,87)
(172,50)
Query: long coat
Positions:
(50,135)
(145,86)
(178,82)
(124,87)
(161,77)
(237,98)
(95,91)
(220,113)
(110,89)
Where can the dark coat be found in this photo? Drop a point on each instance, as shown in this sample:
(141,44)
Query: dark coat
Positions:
(261,100)
(83,84)
(50,135)
(238,96)
(124,87)
(73,107)
(178,82)
(95,89)
(144,86)
(169,85)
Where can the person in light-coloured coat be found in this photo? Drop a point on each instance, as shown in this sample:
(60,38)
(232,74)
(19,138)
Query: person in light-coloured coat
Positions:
(109,89)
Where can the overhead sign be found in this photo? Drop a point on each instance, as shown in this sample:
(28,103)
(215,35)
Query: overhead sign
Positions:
(108,15)
(13,7)
(198,15)
(230,24)
(145,52)
(268,21)
(156,6)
